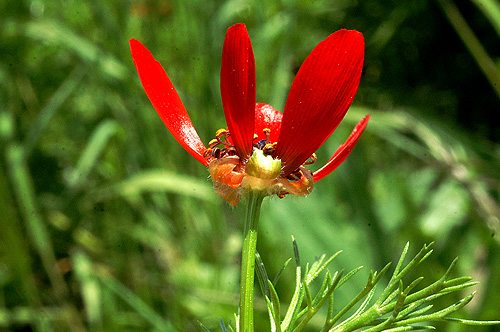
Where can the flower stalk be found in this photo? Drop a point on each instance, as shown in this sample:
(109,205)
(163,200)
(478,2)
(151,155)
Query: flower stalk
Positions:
(254,203)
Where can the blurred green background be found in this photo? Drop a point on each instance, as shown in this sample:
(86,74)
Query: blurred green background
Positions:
(107,224)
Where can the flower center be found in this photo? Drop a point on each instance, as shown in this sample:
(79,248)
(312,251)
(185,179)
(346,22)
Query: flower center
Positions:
(221,146)
(233,176)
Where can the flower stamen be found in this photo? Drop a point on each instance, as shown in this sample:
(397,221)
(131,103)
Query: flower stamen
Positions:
(269,148)
(267,132)
(221,133)
(265,145)
(311,160)
(214,152)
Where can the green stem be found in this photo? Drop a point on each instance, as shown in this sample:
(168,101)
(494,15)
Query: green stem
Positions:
(254,202)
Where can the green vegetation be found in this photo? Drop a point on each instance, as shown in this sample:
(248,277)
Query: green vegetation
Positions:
(107,224)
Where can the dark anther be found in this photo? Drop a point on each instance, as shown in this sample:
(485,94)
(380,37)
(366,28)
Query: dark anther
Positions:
(229,152)
(260,144)
(216,152)
(269,149)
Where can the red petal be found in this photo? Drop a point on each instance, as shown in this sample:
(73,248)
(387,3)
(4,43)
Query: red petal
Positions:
(166,101)
(319,97)
(342,152)
(267,117)
(237,84)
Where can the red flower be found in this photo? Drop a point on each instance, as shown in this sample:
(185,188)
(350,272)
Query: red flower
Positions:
(263,149)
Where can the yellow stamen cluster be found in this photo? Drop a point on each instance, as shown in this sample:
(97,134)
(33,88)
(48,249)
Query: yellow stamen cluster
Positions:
(213,152)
